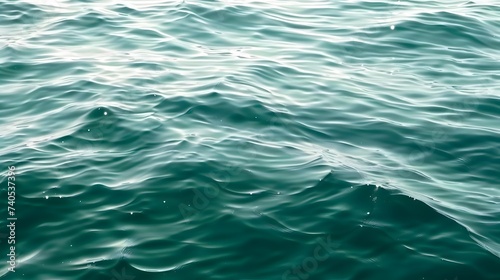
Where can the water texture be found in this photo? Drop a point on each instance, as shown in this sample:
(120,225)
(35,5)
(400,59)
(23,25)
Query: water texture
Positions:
(251,139)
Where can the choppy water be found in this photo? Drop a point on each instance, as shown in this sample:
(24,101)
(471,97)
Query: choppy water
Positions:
(251,139)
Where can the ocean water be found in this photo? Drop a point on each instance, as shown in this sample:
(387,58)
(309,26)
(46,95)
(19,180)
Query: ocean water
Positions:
(250,139)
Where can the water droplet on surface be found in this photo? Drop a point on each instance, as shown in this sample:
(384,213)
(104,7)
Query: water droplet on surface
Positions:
(105,113)
(392,27)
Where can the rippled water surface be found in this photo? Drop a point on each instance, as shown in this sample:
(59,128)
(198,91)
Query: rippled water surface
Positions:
(251,139)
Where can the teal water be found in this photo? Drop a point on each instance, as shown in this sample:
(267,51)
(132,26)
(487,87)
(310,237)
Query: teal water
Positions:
(251,139)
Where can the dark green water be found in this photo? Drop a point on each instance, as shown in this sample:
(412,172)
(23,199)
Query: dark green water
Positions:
(249,140)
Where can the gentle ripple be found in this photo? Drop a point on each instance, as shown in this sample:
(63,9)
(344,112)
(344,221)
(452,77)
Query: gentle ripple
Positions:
(230,139)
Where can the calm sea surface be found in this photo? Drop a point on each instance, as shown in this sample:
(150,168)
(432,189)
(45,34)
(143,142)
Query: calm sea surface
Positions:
(250,140)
